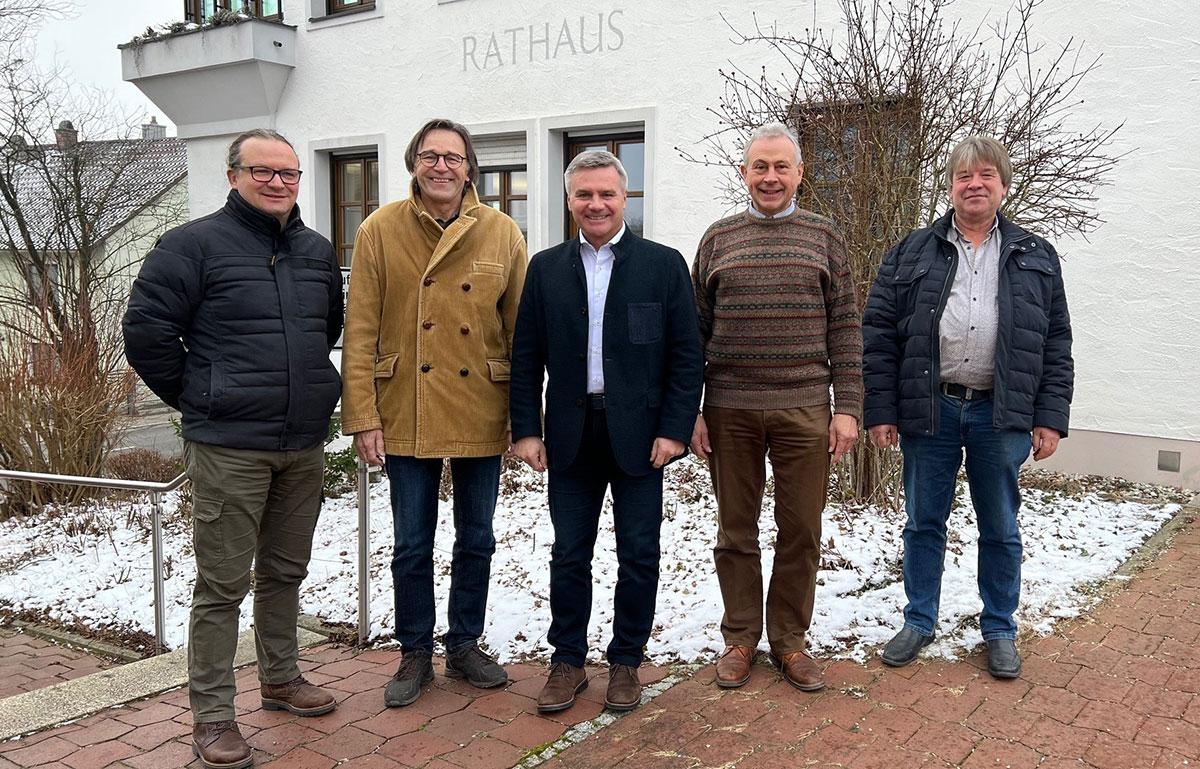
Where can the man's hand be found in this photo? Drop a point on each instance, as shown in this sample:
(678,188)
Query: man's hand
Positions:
(369,445)
(843,432)
(1045,442)
(700,445)
(664,451)
(884,435)
(531,451)
(509,451)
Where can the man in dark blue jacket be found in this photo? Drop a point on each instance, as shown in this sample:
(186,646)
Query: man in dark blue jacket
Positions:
(967,346)
(612,319)
(231,321)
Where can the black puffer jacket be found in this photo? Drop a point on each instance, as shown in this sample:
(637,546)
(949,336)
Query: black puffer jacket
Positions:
(1034,373)
(231,321)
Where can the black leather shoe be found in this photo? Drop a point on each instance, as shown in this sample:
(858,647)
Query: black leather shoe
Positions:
(1003,660)
(904,646)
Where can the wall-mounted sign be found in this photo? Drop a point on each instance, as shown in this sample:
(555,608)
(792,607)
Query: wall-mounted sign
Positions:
(543,41)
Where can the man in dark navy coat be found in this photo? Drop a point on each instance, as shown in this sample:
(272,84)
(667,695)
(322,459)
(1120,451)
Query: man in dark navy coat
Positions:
(611,318)
(967,349)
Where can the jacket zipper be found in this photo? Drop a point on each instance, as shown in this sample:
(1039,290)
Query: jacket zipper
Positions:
(935,342)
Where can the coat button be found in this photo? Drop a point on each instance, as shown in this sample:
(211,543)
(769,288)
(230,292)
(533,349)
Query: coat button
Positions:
(926,371)
(583,311)
(427,325)
(427,282)
(425,368)
(931,310)
(463,372)
(582,356)
(579,401)
(466,287)
(465,330)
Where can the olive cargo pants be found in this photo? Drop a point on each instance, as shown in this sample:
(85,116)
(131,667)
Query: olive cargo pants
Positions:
(249,508)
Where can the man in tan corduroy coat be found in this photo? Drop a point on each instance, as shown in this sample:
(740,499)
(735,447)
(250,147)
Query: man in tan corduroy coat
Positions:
(434,290)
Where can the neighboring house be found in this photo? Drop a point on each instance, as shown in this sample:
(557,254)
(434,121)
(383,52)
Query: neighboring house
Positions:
(537,81)
(74,206)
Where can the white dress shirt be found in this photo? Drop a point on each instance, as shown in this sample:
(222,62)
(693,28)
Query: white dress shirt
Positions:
(597,271)
(760,215)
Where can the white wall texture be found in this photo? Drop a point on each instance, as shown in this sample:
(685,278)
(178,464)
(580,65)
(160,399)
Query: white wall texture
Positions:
(1133,286)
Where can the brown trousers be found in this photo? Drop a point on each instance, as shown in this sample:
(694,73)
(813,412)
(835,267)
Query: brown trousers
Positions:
(797,441)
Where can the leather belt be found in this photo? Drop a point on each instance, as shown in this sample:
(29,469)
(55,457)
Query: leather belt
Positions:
(596,402)
(963,392)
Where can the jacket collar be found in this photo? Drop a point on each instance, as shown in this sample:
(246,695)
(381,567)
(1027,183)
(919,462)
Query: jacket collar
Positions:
(1009,232)
(470,201)
(258,221)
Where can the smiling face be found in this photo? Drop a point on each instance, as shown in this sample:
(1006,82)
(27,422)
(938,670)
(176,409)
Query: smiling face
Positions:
(772,174)
(274,197)
(441,186)
(976,193)
(597,203)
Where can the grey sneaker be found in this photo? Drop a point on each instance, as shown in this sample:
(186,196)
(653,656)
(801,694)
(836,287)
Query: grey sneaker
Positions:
(476,666)
(416,670)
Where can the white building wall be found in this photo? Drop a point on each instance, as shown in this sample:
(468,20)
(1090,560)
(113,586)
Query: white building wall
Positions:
(1133,286)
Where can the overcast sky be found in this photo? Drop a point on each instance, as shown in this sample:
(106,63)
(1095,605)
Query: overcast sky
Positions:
(87,44)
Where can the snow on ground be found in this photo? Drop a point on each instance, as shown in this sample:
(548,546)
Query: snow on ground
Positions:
(94,567)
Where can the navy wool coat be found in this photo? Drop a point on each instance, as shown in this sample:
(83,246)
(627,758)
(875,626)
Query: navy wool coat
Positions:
(653,362)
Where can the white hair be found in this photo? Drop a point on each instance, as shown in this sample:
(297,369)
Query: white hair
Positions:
(770,131)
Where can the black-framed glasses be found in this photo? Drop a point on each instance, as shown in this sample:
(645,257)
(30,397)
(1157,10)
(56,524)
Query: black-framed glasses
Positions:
(430,159)
(265,175)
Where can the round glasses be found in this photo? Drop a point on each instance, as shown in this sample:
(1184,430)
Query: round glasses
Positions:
(430,159)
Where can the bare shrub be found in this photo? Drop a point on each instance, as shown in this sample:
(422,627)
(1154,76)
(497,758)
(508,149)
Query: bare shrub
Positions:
(878,103)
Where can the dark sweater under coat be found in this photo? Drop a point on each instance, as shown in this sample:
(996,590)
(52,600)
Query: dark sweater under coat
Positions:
(231,321)
(1034,373)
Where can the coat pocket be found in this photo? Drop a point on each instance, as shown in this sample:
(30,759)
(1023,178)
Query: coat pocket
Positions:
(207,539)
(385,367)
(645,322)
(499,369)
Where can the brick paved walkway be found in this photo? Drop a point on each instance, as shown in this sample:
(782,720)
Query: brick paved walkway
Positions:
(28,662)
(1117,690)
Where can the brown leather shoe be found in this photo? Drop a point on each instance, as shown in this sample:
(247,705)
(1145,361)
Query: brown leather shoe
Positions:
(801,671)
(624,688)
(298,697)
(219,745)
(733,667)
(563,683)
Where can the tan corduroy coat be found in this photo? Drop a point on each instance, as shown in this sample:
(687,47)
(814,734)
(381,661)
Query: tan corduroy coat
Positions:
(429,326)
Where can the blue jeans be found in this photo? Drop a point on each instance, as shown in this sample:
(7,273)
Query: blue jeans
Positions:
(414,487)
(931,465)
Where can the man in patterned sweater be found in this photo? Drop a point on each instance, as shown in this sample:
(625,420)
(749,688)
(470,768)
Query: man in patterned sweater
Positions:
(780,324)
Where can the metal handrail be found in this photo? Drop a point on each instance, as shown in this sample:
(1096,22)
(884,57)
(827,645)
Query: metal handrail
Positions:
(156,491)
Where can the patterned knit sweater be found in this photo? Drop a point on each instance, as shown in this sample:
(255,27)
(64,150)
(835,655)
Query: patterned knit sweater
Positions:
(778,315)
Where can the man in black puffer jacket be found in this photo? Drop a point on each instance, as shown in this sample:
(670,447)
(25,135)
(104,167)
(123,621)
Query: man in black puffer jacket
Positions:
(967,345)
(231,321)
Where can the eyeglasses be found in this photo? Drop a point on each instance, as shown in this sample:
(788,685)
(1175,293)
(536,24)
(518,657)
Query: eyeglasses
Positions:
(430,159)
(265,175)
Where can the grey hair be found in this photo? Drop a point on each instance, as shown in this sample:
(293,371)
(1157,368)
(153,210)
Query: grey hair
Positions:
(974,150)
(770,131)
(234,156)
(596,159)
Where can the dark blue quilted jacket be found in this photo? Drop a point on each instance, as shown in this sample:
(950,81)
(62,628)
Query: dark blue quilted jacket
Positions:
(231,321)
(1034,374)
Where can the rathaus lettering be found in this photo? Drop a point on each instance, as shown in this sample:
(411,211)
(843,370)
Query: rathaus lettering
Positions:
(544,41)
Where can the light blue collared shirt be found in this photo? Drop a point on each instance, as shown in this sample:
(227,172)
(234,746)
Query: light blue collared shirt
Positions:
(597,271)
